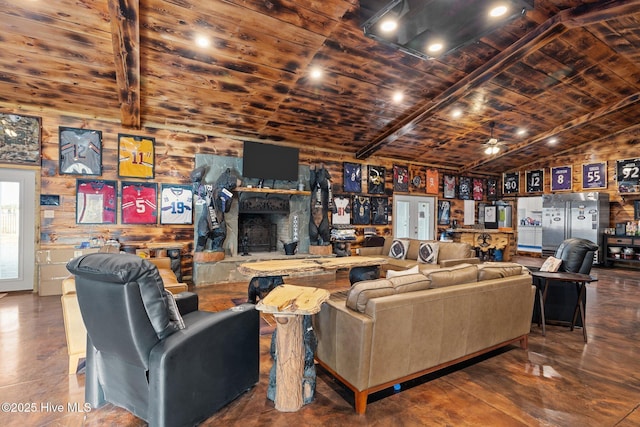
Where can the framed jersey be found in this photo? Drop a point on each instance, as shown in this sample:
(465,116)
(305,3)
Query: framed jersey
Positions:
(80,151)
(176,204)
(139,203)
(95,201)
(136,156)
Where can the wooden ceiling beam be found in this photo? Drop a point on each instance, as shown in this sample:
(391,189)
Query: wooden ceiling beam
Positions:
(125,36)
(543,34)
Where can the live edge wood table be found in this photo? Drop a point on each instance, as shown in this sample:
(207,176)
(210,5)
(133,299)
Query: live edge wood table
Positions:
(541,281)
(289,304)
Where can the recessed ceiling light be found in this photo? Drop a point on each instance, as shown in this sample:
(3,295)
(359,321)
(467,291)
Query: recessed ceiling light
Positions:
(435,47)
(521,132)
(456,113)
(398,97)
(202,41)
(553,141)
(498,11)
(389,25)
(316,73)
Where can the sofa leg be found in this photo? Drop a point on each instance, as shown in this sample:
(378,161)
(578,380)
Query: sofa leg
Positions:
(361,402)
(524,342)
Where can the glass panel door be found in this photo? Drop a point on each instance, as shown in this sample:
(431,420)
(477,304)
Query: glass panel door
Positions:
(413,217)
(17,253)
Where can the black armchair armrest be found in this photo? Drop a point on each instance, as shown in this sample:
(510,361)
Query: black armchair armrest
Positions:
(187,302)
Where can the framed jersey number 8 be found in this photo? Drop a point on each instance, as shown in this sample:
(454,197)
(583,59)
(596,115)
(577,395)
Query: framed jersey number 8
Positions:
(136,156)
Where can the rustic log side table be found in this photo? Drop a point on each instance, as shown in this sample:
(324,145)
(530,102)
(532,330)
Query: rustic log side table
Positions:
(541,280)
(289,304)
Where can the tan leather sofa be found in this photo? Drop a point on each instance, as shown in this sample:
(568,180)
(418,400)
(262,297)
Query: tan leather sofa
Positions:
(386,331)
(449,254)
(75,332)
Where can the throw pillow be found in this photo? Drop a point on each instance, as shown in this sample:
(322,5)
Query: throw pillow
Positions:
(398,249)
(551,264)
(428,253)
(394,273)
(172,309)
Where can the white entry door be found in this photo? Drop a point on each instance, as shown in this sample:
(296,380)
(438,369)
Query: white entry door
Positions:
(17,229)
(414,217)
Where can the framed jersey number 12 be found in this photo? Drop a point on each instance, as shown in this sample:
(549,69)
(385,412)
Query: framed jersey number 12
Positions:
(136,156)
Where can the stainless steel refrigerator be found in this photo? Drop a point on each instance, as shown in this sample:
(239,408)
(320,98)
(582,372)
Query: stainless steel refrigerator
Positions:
(579,215)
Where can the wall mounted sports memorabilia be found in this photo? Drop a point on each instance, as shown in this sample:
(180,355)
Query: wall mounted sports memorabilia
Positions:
(380,210)
(535,181)
(361,210)
(400,178)
(511,183)
(352,177)
(561,178)
(628,175)
(492,188)
(594,175)
(136,156)
(139,203)
(20,139)
(464,188)
(80,151)
(341,210)
(95,201)
(176,204)
(444,212)
(431,186)
(375,181)
(449,186)
(478,188)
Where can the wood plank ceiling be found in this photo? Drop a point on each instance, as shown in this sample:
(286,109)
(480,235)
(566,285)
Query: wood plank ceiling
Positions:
(568,69)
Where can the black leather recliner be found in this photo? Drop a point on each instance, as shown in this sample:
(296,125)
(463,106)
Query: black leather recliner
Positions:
(138,358)
(577,257)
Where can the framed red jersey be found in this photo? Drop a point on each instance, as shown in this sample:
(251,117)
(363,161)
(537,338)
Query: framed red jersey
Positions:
(139,203)
(136,156)
(95,201)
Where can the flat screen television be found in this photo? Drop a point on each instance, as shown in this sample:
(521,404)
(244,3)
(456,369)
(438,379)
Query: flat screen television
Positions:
(267,162)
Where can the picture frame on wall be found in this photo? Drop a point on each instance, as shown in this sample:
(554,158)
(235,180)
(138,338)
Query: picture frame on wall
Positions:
(444,212)
(352,177)
(492,188)
(136,156)
(20,139)
(80,151)
(380,210)
(139,203)
(535,180)
(400,178)
(431,186)
(594,175)
(449,186)
(561,178)
(96,201)
(341,214)
(628,175)
(478,189)
(375,179)
(464,188)
(361,210)
(511,183)
(176,204)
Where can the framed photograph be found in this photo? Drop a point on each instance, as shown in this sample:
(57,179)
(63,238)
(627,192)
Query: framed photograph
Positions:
(449,186)
(176,204)
(594,175)
(20,139)
(361,210)
(352,177)
(478,189)
(139,203)
(136,156)
(380,210)
(464,188)
(375,179)
(431,186)
(400,178)
(491,216)
(95,201)
(80,151)
(444,212)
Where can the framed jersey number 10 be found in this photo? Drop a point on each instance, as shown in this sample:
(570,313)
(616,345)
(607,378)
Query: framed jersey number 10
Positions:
(136,156)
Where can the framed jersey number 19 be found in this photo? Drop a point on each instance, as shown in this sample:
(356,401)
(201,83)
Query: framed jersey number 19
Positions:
(136,156)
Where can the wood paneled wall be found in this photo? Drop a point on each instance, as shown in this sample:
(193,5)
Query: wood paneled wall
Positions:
(175,153)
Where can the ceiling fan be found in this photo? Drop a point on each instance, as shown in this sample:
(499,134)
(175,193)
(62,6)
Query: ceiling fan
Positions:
(492,146)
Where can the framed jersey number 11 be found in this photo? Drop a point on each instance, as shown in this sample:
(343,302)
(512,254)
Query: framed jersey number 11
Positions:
(136,156)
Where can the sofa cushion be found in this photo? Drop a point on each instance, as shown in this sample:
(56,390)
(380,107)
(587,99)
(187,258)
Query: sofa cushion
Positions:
(361,292)
(462,273)
(397,273)
(410,283)
(428,252)
(399,248)
(498,270)
(412,250)
(454,250)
